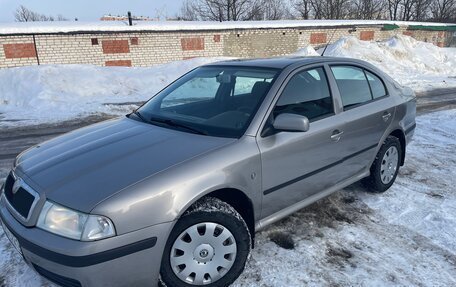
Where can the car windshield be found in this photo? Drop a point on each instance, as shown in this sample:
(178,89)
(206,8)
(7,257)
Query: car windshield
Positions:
(217,100)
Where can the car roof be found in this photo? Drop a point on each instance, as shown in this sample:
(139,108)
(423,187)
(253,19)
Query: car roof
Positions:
(281,62)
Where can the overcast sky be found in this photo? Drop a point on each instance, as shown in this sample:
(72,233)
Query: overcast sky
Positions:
(91,10)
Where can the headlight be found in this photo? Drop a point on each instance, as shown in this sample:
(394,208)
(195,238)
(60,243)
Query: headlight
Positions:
(73,224)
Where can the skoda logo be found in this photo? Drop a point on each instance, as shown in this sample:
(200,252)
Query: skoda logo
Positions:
(17,185)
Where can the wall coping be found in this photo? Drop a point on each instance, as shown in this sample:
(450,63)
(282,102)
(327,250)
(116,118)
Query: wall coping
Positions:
(35,28)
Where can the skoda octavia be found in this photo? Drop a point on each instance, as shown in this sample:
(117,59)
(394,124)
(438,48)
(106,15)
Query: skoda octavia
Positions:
(174,192)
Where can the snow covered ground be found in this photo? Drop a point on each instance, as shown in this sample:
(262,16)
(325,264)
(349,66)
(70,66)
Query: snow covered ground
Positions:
(52,93)
(404,237)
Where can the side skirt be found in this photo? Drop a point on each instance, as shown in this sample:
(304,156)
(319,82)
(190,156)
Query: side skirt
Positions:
(263,223)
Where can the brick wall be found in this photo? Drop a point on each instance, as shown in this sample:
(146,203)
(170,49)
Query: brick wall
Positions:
(148,48)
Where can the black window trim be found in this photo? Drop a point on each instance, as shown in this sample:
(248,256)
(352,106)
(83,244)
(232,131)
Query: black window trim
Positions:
(365,76)
(290,75)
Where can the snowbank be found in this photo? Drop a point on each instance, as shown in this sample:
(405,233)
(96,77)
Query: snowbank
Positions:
(420,65)
(66,27)
(51,93)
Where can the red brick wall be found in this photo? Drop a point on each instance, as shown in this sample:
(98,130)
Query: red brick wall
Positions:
(367,35)
(189,44)
(22,50)
(123,63)
(115,46)
(317,38)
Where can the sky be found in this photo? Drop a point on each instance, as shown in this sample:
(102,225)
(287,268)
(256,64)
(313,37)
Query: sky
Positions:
(91,10)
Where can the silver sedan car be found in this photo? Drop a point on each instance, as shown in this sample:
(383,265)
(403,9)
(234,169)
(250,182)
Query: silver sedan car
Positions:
(174,192)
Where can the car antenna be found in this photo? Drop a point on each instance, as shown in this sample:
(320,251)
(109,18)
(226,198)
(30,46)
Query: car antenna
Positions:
(327,43)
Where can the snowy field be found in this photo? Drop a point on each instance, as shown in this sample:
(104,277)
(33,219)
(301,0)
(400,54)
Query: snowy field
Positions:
(404,237)
(52,93)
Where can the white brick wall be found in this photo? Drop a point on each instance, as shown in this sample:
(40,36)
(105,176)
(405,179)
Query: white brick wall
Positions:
(161,47)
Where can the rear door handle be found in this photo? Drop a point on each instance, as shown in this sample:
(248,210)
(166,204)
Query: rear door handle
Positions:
(336,134)
(386,116)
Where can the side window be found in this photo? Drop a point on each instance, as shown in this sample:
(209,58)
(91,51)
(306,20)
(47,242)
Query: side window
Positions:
(377,86)
(352,84)
(307,93)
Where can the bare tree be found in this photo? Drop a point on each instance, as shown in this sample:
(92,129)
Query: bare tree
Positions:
(274,9)
(304,8)
(235,10)
(421,10)
(335,9)
(23,14)
(187,12)
(443,10)
(367,9)
(394,9)
(224,10)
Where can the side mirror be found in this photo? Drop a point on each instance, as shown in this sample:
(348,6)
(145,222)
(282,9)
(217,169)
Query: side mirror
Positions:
(291,123)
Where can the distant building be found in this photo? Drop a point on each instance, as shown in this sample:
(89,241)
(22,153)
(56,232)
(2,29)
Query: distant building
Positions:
(110,17)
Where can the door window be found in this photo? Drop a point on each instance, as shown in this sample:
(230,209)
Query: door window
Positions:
(377,86)
(352,84)
(307,94)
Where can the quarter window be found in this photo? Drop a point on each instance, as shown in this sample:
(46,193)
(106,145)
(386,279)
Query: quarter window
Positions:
(377,86)
(307,94)
(352,84)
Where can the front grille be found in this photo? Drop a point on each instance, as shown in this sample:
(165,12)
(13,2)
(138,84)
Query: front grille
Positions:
(58,279)
(21,200)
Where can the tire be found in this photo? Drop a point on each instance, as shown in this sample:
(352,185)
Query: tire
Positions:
(383,171)
(207,214)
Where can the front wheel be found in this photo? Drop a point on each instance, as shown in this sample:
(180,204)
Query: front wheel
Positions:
(385,167)
(208,246)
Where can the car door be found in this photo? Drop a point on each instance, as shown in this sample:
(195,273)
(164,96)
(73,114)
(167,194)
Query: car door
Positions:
(367,112)
(296,165)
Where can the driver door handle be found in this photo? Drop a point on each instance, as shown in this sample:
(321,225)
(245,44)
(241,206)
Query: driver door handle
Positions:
(336,134)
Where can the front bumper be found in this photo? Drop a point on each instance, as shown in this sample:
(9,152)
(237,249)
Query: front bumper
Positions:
(131,259)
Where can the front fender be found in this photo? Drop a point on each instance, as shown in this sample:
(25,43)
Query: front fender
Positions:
(165,196)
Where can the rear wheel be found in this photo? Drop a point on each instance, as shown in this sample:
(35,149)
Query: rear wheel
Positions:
(385,167)
(208,246)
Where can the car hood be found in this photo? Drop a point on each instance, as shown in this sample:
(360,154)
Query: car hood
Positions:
(86,166)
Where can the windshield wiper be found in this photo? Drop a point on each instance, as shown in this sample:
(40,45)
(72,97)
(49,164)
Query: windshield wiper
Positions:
(172,123)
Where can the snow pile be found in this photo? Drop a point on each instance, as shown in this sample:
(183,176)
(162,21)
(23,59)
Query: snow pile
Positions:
(59,92)
(52,93)
(305,52)
(417,64)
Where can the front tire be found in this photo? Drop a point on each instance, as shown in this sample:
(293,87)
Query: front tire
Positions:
(208,246)
(385,168)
